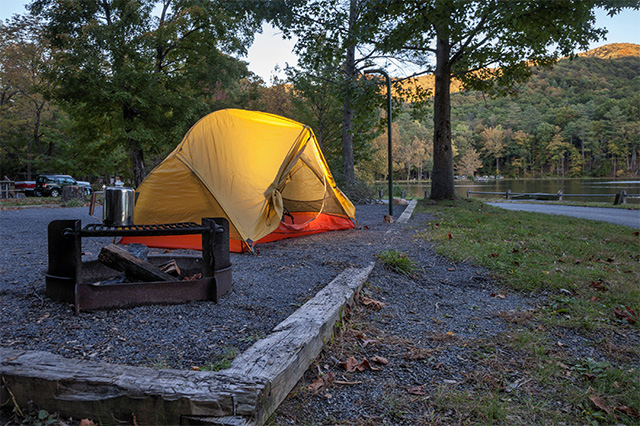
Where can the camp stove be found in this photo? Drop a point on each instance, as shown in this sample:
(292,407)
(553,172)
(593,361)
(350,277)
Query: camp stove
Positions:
(91,285)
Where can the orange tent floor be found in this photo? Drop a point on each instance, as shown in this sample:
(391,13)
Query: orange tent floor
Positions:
(301,225)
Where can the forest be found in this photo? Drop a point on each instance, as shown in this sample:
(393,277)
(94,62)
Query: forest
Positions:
(87,98)
(577,119)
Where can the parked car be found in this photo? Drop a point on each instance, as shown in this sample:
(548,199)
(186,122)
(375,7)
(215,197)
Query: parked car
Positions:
(51,185)
(26,186)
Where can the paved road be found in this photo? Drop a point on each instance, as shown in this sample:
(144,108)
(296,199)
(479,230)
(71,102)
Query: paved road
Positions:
(630,218)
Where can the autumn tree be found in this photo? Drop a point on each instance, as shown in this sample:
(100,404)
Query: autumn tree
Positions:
(494,142)
(142,71)
(488,45)
(467,160)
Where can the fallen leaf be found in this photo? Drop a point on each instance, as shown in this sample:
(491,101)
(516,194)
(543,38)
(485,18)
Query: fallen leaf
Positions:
(416,390)
(629,411)
(494,255)
(599,285)
(326,380)
(195,368)
(451,269)
(450,333)
(637,233)
(316,384)
(365,227)
(376,304)
(350,364)
(449,235)
(627,314)
(380,360)
(498,295)
(329,378)
(87,422)
(600,403)
(364,365)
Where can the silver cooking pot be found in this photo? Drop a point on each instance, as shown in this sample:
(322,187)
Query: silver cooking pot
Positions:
(117,209)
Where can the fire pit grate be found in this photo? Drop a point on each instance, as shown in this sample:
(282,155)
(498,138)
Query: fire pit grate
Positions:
(71,280)
(182,228)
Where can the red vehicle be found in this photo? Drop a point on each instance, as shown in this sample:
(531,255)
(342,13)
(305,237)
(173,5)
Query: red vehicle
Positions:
(26,186)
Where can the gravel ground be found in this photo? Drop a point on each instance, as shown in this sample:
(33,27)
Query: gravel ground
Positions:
(445,301)
(266,289)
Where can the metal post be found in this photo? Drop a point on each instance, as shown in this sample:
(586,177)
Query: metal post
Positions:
(389,144)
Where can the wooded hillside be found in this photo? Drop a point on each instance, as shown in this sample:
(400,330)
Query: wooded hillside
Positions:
(580,118)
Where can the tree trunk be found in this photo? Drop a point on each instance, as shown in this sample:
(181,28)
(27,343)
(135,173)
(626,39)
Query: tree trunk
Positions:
(137,160)
(442,185)
(348,168)
(137,154)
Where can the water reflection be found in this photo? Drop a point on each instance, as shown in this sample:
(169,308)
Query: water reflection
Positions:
(550,186)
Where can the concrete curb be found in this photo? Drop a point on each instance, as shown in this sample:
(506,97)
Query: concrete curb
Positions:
(406,214)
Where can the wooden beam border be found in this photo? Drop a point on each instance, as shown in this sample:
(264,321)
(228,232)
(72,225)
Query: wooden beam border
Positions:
(245,394)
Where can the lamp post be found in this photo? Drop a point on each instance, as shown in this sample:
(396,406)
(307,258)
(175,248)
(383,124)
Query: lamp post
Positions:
(389,144)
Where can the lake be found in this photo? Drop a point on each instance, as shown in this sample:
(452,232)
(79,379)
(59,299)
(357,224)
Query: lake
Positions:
(549,186)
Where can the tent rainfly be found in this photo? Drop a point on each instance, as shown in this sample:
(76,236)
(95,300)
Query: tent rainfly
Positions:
(264,173)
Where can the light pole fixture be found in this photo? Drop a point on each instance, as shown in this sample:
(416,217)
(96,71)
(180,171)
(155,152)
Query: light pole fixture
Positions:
(390,143)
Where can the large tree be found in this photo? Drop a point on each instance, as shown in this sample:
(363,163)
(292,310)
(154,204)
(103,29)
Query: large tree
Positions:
(24,112)
(489,45)
(334,48)
(140,71)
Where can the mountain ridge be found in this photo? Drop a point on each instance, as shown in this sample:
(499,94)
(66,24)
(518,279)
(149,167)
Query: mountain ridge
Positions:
(608,51)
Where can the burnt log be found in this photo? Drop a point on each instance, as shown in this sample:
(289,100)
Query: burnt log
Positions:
(134,268)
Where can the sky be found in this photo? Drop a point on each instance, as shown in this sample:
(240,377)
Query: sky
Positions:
(270,50)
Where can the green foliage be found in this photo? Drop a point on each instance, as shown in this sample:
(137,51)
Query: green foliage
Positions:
(398,262)
(221,361)
(488,46)
(334,47)
(589,125)
(137,77)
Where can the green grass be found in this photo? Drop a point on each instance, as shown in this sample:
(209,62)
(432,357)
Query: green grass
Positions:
(398,262)
(632,204)
(40,201)
(588,268)
(585,276)
(222,361)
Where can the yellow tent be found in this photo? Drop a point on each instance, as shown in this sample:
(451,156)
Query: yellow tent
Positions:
(264,173)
